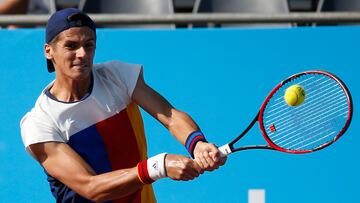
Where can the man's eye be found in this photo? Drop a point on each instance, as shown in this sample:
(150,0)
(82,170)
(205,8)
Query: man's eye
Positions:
(70,46)
(90,45)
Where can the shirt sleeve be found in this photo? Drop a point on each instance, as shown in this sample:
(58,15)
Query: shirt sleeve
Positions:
(127,73)
(38,129)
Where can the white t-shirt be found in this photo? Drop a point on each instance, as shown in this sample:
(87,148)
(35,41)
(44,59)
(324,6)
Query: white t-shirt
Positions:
(51,120)
(105,128)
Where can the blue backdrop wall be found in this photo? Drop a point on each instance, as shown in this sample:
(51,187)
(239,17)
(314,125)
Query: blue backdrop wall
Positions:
(220,77)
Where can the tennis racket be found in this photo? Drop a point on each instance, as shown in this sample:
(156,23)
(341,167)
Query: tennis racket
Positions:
(319,121)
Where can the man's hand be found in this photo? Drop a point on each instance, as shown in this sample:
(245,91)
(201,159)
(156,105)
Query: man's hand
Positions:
(181,167)
(208,156)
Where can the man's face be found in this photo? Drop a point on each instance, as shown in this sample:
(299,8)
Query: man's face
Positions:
(72,53)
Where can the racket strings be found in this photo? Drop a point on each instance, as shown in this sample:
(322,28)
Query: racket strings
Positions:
(294,137)
(280,101)
(315,132)
(279,116)
(289,125)
(283,115)
(312,124)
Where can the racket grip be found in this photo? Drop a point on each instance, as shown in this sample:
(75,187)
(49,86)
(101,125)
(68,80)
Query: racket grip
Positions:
(225,150)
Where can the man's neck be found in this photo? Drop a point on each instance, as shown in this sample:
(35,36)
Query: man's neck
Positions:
(70,90)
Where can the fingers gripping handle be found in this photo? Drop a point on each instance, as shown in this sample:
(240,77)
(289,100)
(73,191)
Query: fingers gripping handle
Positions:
(225,150)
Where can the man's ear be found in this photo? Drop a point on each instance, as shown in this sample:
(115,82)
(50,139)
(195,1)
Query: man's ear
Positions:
(48,51)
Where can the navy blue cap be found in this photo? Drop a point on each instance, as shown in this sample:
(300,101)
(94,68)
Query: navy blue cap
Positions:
(63,20)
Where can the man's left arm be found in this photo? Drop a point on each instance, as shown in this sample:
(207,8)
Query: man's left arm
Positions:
(179,123)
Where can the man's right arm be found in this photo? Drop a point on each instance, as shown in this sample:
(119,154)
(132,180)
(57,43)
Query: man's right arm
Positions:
(64,164)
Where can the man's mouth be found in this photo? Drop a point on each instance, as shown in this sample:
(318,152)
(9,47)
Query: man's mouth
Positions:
(80,64)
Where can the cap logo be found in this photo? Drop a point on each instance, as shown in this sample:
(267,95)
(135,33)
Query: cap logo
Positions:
(79,23)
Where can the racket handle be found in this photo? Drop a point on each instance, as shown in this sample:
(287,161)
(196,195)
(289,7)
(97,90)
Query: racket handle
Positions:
(225,150)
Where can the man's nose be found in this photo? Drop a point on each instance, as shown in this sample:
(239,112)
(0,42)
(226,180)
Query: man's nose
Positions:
(80,52)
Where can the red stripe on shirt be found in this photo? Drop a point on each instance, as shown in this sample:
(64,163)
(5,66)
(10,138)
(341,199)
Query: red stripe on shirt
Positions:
(120,142)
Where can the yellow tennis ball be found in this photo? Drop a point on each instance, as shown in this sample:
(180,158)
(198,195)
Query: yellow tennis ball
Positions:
(294,95)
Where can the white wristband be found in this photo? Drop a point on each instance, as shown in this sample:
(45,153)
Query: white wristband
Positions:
(156,166)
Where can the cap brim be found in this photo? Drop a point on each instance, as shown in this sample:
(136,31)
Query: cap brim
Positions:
(50,66)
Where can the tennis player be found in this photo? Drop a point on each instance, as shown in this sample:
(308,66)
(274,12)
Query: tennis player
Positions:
(86,129)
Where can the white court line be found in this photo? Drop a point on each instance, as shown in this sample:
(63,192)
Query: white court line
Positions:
(256,196)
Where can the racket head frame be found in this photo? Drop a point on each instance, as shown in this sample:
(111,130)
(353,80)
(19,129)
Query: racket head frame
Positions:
(272,145)
(230,148)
